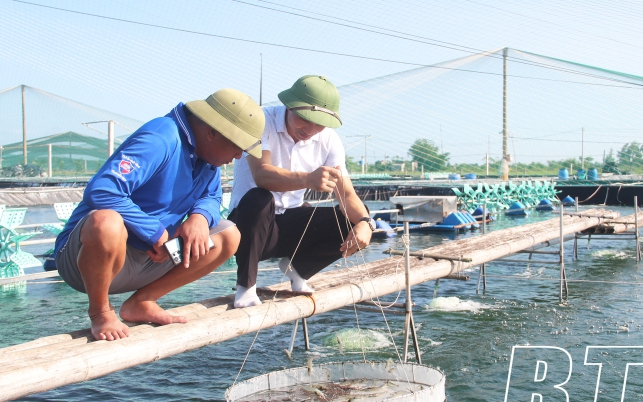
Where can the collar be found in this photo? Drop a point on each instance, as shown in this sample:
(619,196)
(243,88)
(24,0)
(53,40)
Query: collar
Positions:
(280,125)
(178,115)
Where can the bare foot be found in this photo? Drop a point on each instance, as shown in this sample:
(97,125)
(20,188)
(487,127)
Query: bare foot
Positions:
(148,311)
(107,327)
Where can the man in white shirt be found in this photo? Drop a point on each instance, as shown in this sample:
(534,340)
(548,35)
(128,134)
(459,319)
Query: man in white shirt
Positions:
(300,151)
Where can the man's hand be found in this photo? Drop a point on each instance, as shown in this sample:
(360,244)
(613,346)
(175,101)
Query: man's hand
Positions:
(358,238)
(323,179)
(195,233)
(158,253)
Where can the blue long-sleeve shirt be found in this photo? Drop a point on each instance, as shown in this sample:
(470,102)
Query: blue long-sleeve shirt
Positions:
(153,180)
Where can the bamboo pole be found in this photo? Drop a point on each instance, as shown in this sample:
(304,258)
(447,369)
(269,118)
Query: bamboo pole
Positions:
(70,358)
(618,225)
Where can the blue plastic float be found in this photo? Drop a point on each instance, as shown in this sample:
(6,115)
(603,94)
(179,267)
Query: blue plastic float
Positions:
(454,222)
(517,209)
(568,201)
(385,230)
(545,205)
(477,214)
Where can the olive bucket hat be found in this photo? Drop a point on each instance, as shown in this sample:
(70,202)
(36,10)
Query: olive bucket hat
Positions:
(314,98)
(235,115)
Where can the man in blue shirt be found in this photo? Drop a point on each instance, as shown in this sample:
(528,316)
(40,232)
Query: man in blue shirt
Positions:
(163,182)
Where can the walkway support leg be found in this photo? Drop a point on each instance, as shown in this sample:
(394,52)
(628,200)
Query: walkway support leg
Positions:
(636,229)
(563,277)
(482,274)
(409,323)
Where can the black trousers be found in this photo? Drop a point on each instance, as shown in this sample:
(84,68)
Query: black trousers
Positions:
(266,235)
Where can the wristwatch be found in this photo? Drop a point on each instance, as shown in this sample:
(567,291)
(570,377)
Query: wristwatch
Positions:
(371,222)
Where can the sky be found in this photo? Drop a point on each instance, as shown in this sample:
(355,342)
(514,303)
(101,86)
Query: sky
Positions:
(139,59)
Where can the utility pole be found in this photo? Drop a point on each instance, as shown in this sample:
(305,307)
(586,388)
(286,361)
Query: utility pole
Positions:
(364,161)
(366,152)
(49,164)
(110,138)
(505,132)
(110,134)
(441,144)
(487,164)
(24,128)
(582,148)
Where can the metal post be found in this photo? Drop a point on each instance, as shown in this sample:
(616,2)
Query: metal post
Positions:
(575,254)
(563,279)
(582,148)
(484,230)
(294,335)
(504,106)
(110,138)
(292,338)
(575,251)
(24,128)
(482,274)
(365,154)
(636,228)
(409,325)
(305,327)
(49,167)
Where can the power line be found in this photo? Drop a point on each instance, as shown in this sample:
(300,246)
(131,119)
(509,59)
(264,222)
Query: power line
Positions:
(636,85)
(444,45)
(552,23)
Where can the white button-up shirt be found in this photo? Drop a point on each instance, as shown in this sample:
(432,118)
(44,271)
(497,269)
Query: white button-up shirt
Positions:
(323,149)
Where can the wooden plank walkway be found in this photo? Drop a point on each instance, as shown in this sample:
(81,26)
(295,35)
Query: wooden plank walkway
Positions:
(63,359)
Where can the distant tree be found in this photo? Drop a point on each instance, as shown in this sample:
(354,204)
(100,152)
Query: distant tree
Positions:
(611,165)
(427,154)
(79,165)
(630,156)
(352,166)
(566,163)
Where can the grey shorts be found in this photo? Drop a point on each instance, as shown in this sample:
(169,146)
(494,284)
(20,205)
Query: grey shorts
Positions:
(138,270)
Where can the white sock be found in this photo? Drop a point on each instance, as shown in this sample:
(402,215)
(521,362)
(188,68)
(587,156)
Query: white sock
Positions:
(246,297)
(297,283)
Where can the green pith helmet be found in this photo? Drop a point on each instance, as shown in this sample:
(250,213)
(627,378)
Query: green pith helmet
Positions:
(314,98)
(235,115)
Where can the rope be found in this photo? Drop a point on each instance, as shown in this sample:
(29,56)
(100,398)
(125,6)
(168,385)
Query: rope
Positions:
(275,297)
(359,330)
(591,196)
(342,201)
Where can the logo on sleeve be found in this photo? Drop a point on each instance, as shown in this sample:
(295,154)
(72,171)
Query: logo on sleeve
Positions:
(126,166)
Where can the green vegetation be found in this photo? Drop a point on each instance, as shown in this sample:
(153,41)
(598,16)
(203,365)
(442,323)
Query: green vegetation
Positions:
(424,153)
(428,156)
(423,156)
